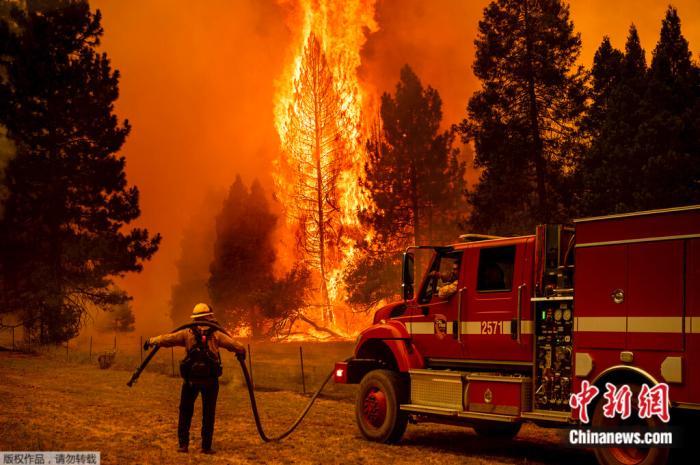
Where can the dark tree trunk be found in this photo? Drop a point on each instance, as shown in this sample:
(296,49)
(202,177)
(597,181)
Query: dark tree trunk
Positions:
(536,148)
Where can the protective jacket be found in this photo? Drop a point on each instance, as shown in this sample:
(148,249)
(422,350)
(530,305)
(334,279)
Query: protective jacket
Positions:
(185,338)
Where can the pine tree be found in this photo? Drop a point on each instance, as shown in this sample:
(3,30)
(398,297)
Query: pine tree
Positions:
(644,150)
(671,136)
(65,232)
(315,151)
(416,184)
(119,318)
(611,126)
(522,122)
(413,175)
(242,284)
(242,258)
(7,149)
(605,76)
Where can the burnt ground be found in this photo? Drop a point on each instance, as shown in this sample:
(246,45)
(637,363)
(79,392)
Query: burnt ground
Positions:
(45,405)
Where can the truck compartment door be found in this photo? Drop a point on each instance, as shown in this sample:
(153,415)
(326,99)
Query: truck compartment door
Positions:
(655,296)
(600,296)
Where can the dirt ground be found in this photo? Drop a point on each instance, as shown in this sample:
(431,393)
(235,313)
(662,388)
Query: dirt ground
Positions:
(46,405)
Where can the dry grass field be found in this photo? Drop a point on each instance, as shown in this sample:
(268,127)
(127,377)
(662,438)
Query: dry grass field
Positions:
(50,403)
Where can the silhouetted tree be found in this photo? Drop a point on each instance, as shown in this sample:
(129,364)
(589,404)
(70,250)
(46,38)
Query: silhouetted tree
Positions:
(7,149)
(64,235)
(671,136)
(242,258)
(523,120)
(416,184)
(643,127)
(609,169)
(242,284)
(282,301)
(119,318)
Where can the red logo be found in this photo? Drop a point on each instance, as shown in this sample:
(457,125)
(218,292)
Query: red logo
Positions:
(652,401)
(617,401)
(583,398)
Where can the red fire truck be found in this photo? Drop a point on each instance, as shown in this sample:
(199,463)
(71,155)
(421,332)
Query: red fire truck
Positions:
(526,320)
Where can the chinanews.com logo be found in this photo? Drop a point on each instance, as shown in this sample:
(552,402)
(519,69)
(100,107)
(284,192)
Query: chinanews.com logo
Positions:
(651,402)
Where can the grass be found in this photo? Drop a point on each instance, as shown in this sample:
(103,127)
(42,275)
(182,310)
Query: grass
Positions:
(49,403)
(275,366)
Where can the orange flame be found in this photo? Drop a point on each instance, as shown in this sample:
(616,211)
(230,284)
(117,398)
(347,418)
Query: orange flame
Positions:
(319,117)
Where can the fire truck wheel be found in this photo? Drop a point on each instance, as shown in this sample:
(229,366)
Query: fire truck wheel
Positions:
(377,406)
(498,430)
(628,455)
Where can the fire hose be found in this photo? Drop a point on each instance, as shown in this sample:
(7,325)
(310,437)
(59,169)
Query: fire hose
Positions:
(248,382)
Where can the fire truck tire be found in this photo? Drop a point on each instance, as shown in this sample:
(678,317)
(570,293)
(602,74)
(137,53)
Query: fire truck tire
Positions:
(498,430)
(377,407)
(628,455)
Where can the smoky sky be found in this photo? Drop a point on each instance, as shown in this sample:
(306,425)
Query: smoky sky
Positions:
(198,85)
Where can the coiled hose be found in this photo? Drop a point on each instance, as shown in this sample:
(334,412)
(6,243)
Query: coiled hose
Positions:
(248,382)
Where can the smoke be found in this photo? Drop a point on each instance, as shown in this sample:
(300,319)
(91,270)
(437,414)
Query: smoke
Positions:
(435,39)
(196,256)
(198,85)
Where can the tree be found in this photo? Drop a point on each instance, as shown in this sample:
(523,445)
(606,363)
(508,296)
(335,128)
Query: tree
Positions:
(7,149)
(612,157)
(522,122)
(671,136)
(120,318)
(644,149)
(65,232)
(242,284)
(416,184)
(314,144)
(282,301)
(242,257)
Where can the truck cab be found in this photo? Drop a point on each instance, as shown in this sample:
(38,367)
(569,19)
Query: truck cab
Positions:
(482,313)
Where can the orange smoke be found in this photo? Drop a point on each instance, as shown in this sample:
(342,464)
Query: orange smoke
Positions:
(197,86)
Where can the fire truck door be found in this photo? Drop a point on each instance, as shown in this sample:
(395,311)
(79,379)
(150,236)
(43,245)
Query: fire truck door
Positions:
(497,299)
(655,304)
(432,323)
(630,296)
(600,312)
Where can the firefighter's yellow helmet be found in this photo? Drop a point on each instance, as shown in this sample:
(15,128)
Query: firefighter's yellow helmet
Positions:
(201,310)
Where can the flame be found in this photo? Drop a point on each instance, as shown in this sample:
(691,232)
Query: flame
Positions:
(319,107)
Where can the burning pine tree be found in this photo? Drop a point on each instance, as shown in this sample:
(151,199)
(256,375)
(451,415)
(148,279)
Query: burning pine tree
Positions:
(318,115)
(315,152)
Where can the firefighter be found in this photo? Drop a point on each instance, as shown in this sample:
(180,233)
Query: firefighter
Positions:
(200,370)
(449,279)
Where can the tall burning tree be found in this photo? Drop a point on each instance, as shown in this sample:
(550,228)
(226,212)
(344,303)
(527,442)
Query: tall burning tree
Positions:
(318,117)
(315,150)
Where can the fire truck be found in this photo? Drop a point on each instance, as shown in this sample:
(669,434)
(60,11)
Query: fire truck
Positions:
(527,320)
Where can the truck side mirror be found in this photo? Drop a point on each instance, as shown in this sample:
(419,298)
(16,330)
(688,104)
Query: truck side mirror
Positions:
(408,276)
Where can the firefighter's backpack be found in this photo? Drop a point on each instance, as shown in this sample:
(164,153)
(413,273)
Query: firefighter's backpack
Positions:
(201,365)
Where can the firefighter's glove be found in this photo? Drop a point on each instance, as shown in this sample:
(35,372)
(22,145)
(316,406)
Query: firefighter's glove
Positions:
(147,345)
(240,355)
